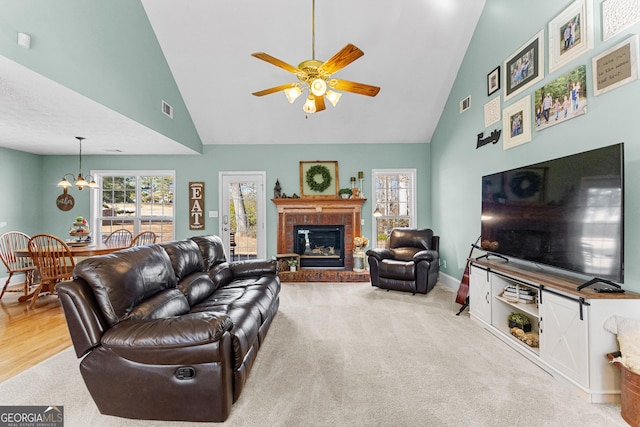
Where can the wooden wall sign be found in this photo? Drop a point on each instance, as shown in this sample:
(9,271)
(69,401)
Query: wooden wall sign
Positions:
(65,201)
(196,206)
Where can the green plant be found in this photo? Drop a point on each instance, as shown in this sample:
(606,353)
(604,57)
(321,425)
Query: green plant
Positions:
(519,318)
(344,191)
(292,262)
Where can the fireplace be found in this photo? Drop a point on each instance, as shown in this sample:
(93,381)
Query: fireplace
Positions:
(319,245)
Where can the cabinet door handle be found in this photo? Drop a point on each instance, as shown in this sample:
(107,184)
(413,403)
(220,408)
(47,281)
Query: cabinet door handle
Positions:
(540,325)
(486,297)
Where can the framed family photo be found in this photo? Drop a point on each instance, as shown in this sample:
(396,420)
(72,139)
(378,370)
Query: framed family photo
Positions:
(524,67)
(493,81)
(562,99)
(570,34)
(623,58)
(516,123)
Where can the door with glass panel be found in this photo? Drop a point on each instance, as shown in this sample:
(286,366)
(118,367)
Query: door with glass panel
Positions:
(242,216)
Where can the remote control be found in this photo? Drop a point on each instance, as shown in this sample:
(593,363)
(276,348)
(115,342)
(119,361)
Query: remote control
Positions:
(609,290)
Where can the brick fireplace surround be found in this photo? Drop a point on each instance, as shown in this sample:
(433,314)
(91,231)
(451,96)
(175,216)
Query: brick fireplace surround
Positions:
(314,211)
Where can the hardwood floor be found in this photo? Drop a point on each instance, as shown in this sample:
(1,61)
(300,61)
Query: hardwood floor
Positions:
(29,336)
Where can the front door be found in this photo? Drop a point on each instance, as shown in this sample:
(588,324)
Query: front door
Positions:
(242,221)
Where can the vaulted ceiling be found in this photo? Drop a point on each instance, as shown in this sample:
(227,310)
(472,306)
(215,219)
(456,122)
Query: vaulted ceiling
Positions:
(412,48)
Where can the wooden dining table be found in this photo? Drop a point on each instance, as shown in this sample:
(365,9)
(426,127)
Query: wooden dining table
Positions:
(88,250)
(77,251)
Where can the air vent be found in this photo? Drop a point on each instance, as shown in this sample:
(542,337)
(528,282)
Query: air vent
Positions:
(167,109)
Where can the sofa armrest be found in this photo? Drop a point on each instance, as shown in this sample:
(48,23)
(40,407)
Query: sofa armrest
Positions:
(380,253)
(173,340)
(84,318)
(253,267)
(426,255)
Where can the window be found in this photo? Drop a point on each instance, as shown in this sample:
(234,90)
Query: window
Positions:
(395,200)
(134,200)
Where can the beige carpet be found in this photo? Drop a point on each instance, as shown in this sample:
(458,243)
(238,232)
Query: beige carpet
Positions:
(352,355)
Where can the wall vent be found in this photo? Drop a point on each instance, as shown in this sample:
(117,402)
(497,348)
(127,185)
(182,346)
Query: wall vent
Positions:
(167,109)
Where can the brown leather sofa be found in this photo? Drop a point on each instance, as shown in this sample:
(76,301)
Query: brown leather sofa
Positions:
(169,331)
(410,262)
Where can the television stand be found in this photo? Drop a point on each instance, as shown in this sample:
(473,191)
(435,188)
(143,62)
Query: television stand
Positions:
(570,342)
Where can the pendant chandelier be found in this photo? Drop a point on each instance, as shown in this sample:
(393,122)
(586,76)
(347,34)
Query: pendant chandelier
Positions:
(80,181)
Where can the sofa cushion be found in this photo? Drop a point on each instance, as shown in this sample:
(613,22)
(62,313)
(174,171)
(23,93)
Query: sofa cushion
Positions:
(123,279)
(196,287)
(401,237)
(185,257)
(167,303)
(212,250)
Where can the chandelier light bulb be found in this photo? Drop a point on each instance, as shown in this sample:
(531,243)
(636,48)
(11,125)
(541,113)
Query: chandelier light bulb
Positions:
(293,93)
(309,105)
(318,87)
(333,97)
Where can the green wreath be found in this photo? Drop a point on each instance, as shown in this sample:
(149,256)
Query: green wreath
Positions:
(311,178)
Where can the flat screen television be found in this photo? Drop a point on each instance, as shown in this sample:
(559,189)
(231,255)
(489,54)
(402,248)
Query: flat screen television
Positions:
(566,213)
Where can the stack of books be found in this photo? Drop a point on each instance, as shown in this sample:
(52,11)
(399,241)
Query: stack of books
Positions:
(520,294)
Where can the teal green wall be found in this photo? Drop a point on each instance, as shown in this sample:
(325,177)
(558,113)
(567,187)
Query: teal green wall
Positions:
(280,162)
(458,166)
(20,198)
(104,50)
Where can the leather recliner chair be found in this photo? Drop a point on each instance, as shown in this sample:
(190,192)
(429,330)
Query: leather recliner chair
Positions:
(409,263)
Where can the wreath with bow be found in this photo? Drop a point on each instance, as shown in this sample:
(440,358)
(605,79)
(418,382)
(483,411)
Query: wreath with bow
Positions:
(313,172)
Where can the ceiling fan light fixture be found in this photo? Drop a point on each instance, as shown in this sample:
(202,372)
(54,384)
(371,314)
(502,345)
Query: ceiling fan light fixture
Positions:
(293,93)
(318,87)
(333,97)
(309,105)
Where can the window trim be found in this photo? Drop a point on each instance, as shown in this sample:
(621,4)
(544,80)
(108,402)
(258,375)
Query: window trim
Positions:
(95,202)
(413,206)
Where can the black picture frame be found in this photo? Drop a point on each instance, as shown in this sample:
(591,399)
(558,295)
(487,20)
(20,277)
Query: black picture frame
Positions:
(493,81)
(524,67)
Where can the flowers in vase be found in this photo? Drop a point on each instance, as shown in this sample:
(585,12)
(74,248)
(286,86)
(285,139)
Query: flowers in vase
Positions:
(360,242)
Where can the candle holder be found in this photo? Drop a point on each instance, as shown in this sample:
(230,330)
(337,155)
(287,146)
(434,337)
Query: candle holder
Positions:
(361,178)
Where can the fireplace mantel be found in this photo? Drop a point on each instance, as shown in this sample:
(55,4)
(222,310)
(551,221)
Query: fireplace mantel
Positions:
(309,210)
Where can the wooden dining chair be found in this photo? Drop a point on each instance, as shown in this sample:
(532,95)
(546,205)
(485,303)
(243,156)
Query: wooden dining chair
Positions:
(54,261)
(144,238)
(10,242)
(120,238)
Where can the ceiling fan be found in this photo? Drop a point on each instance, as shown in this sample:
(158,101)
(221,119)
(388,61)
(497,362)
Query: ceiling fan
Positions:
(316,76)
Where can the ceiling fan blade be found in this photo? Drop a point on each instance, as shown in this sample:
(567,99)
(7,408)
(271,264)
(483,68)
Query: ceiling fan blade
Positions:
(319,103)
(273,89)
(353,87)
(344,57)
(275,61)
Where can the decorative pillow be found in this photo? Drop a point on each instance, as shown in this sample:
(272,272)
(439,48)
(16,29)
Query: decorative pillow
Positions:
(628,334)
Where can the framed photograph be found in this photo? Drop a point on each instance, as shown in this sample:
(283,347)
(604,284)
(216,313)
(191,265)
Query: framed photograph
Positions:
(562,99)
(570,34)
(493,81)
(615,67)
(524,67)
(618,15)
(516,123)
(319,178)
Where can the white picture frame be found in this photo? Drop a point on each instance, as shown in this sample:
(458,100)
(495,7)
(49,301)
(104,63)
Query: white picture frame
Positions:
(616,66)
(531,55)
(492,112)
(516,123)
(570,34)
(617,16)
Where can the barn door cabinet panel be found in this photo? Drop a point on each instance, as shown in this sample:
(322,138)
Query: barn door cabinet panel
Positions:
(567,336)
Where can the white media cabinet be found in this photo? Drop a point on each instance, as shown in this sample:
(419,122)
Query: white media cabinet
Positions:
(573,343)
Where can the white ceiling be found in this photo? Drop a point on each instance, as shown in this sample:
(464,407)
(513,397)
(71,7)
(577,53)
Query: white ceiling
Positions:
(413,50)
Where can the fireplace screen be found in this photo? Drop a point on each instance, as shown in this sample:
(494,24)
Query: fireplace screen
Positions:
(319,245)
